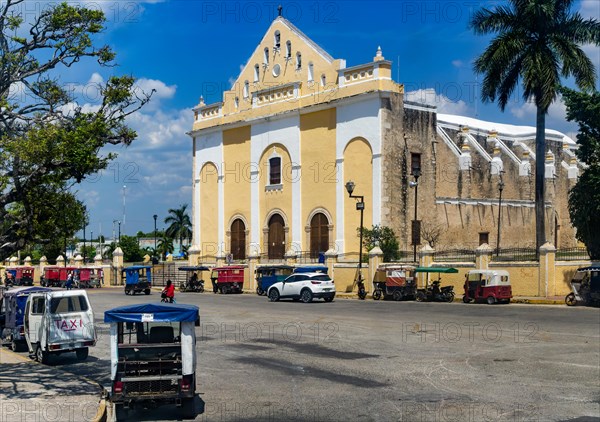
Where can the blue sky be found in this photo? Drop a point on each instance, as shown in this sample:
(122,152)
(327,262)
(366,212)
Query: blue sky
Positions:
(185,49)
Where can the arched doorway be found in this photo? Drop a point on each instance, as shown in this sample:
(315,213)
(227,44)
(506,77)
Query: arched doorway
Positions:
(319,235)
(276,237)
(238,239)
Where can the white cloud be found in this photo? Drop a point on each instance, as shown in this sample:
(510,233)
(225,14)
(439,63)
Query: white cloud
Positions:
(555,119)
(444,104)
(590,9)
(457,63)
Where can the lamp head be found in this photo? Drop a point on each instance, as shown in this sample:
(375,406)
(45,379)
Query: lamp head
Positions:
(155,217)
(350,187)
(416,172)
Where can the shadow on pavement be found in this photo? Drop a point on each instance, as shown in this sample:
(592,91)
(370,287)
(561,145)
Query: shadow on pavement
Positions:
(31,381)
(165,413)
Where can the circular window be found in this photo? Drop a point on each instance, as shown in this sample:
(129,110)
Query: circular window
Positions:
(276,70)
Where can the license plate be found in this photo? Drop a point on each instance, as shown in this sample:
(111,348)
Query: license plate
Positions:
(326,290)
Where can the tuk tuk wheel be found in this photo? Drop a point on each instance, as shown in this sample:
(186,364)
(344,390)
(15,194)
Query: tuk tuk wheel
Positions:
(15,346)
(82,353)
(260,291)
(147,291)
(466,299)
(491,300)
(570,299)
(188,408)
(377,294)
(40,355)
(121,413)
(397,295)
(420,297)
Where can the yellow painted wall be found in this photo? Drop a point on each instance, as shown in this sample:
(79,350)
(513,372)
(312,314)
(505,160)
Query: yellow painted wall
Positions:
(564,272)
(236,183)
(276,199)
(358,167)
(317,139)
(343,277)
(209,209)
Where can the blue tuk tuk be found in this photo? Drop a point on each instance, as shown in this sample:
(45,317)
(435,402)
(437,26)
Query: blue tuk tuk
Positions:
(153,357)
(267,275)
(138,278)
(14,311)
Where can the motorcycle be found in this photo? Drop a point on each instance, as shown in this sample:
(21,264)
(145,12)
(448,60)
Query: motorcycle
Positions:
(434,293)
(192,286)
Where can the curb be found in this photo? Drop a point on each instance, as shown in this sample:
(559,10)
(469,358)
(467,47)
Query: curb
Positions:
(100,412)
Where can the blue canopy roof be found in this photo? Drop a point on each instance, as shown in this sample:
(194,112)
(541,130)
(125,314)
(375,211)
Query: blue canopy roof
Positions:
(136,267)
(311,269)
(153,312)
(25,290)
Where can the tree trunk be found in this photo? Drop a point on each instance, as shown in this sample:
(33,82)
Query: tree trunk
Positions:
(540,187)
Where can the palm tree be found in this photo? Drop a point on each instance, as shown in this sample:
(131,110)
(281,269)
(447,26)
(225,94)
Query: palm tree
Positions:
(538,42)
(165,245)
(180,225)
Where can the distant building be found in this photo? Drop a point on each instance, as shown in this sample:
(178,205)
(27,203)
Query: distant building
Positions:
(270,161)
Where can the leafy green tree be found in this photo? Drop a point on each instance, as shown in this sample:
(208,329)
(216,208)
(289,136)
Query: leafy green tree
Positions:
(385,238)
(165,245)
(180,225)
(584,197)
(131,249)
(48,142)
(537,43)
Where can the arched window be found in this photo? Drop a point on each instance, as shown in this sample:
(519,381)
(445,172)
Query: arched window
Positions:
(246,89)
(256,70)
(288,49)
(238,239)
(275,170)
(237,102)
(298,61)
(323,80)
(277,40)
(266,56)
(319,235)
(310,72)
(276,237)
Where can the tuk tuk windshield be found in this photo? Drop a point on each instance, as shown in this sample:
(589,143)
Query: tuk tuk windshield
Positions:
(149,332)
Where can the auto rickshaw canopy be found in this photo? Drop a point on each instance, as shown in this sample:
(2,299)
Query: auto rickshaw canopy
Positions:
(442,270)
(194,268)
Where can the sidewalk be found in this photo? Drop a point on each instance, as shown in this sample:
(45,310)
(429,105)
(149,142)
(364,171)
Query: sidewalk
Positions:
(30,391)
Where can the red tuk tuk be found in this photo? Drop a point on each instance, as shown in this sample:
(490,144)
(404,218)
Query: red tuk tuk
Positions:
(23,276)
(90,277)
(228,279)
(56,276)
(489,286)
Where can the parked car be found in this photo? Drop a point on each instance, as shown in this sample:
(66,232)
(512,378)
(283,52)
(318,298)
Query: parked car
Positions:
(304,287)
(153,357)
(13,312)
(57,322)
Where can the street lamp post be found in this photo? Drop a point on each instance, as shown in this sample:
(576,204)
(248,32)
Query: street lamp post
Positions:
(416,227)
(119,233)
(91,240)
(360,205)
(500,188)
(155,217)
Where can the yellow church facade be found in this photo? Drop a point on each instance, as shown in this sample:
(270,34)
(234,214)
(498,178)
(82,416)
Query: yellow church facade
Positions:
(271,160)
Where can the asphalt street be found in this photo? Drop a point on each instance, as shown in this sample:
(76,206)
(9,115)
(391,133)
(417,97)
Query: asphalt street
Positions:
(378,361)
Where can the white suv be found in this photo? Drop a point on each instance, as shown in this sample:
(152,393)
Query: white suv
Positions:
(304,287)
